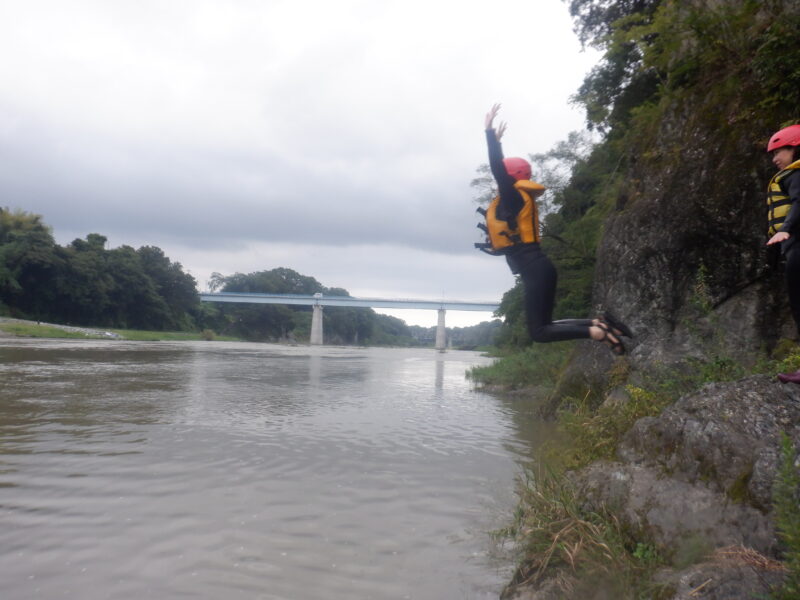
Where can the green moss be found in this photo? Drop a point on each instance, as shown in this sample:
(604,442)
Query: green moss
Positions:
(739,490)
(691,550)
(785,348)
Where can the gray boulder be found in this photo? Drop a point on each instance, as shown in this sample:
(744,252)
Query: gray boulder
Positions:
(725,437)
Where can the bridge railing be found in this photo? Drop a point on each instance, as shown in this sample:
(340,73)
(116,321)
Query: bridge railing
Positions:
(322,300)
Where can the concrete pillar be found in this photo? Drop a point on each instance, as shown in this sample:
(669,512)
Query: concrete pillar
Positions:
(316,326)
(441,333)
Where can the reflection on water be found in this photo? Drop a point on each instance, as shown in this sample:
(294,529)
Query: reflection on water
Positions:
(245,470)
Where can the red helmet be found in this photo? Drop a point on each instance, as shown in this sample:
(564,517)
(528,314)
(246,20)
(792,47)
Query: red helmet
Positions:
(519,168)
(788,136)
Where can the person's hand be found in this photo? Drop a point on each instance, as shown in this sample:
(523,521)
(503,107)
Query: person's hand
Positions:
(501,129)
(778,238)
(489,121)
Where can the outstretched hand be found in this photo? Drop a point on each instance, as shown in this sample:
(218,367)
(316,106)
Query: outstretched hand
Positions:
(489,122)
(778,238)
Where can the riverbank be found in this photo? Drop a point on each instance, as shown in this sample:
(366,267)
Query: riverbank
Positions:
(24,328)
(10,327)
(668,483)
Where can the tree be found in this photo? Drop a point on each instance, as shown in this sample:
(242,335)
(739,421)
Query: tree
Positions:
(176,288)
(272,322)
(28,263)
(619,82)
(84,283)
(134,299)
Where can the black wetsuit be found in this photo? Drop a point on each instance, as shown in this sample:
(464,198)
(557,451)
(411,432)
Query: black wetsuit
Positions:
(790,248)
(531,264)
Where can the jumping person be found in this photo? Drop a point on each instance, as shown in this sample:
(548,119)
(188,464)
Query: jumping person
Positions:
(783,197)
(512,225)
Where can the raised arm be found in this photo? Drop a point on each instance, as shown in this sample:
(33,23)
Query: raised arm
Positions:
(510,199)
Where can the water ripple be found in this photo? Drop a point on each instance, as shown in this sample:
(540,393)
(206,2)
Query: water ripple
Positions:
(245,470)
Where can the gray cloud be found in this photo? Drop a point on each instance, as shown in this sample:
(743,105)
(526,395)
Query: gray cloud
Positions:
(322,134)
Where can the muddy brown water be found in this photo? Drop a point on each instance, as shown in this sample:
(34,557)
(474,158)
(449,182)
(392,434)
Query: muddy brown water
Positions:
(231,470)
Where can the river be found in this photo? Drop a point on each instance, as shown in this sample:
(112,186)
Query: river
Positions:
(233,470)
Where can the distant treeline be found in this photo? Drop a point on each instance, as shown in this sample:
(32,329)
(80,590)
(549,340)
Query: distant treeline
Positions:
(84,283)
(342,325)
(279,322)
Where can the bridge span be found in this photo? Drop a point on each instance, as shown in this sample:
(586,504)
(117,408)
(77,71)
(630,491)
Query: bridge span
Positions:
(318,301)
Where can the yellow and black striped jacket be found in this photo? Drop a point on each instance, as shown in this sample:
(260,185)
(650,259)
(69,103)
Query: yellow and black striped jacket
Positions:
(778,201)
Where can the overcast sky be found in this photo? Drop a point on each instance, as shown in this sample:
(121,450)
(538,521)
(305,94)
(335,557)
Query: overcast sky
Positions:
(336,138)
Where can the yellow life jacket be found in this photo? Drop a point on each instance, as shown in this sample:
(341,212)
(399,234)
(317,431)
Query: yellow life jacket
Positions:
(778,203)
(521,229)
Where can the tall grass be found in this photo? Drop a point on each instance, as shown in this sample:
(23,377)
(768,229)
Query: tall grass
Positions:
(568,545)
(559,537)
(535,365)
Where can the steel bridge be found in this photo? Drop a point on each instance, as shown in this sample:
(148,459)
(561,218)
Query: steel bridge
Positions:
(318,301)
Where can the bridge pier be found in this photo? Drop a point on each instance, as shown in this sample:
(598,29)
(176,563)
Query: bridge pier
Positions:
(316,325)
(441,333)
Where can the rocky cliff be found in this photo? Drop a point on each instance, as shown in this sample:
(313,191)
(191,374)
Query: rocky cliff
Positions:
(683,258)
(697,481)
(683,261)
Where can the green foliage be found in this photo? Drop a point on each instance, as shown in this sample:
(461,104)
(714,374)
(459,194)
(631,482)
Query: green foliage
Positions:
(701,296)
(597,20)
(733,62)
(484,185)
(481,335)
(787,358)
(647,553)
(538,365)
(619,83)
(275,322)
(726,74)
(86,284)
(593,429)
(786,498)
(514,333)
(557,533)
(729,68)
(28,262)
(595,434)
